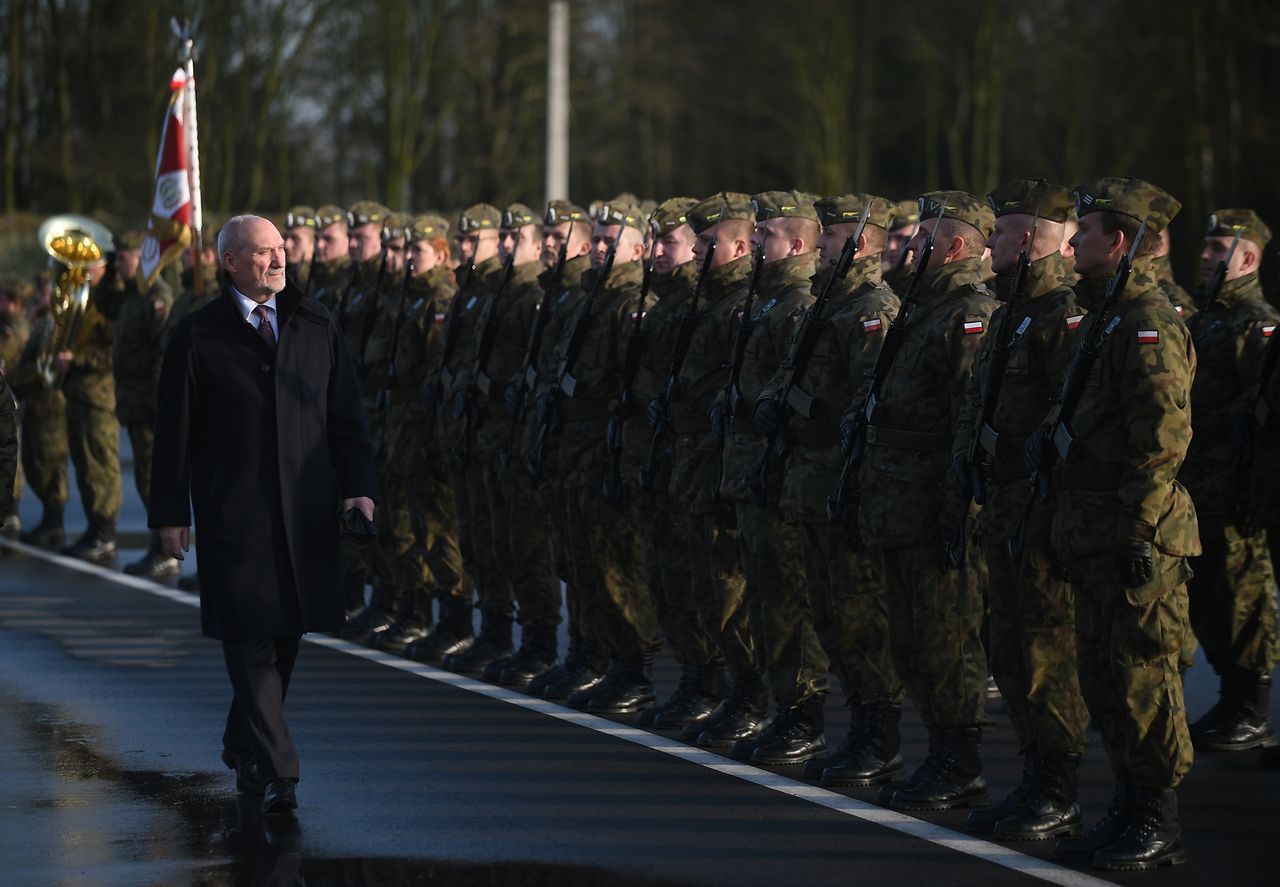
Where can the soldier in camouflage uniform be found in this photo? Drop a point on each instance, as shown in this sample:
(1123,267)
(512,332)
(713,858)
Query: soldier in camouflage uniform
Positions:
(1162,268)
(1232,594)
(14,333)
(1125,527)
(8,445)
(846,623)
(331,273)
(299,245)
(1032,613)
(908,508)
(895,262)
(723,222)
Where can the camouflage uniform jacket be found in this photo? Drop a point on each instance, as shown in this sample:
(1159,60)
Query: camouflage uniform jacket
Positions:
(565,295)
(89,378)
(694,449)
(26,383)
(14,333)
(1230,338)
(1131,431)
(598,373)
(136,350)
(1179,298)
(514,312)
(330,282)
(359,309)
(299,274)
(376,360)
(785,291)
(1040,329)
(416,351)
(857,315)
(900,280)
(462,323)
(909,438)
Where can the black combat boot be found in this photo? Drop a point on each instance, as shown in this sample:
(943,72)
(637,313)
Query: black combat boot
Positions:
(49,532)
(740,716)
(956,781)
(743,749)
(1152,838)
(412,623)
(97,544)
(1049,808)
(536,656)
(491,645)
(352,594)
(558,672)
(1245,724)
(627,687)
(451,635)
(983,820)
(693,701)
(155,564)
(921,775)
(378,615)
(800,740)
(814,767)
(1107,829)
(874,755)
(581,670)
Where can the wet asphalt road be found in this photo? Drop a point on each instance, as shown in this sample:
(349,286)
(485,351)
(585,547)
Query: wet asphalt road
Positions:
(111,710)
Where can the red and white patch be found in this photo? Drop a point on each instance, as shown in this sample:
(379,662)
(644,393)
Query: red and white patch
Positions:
(439,317)
(1180,310)
(1148,337)
(870,326)
(1073,322)
(642,314)
(973,327)
(1268,331)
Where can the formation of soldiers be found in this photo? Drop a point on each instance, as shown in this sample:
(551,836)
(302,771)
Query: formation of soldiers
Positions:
(908,444)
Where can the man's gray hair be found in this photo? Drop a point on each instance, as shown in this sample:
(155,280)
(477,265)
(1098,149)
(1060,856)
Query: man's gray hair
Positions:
(230,238)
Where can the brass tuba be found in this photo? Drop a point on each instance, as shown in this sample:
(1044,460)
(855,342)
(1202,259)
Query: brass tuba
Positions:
(78,243)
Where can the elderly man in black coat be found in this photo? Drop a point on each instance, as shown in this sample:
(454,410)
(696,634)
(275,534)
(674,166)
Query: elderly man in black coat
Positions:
(260,428)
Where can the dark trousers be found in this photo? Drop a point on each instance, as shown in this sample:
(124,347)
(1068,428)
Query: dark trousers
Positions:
(260,672)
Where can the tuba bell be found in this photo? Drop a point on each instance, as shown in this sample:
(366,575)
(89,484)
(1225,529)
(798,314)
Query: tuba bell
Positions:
(79,244)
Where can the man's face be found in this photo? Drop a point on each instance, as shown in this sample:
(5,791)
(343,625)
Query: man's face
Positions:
(127,262)
(1069,229)
(332,242)
(776,244)
(673,249)
(1006,241)
(1243,262)
(1097,253)
(256,267)
(602,238)
(478,246)
(554,235)
(299,243)
(395,255)
(896,242)
(425,257)
(524,242)
(728,247)
(364,241)
(832,240)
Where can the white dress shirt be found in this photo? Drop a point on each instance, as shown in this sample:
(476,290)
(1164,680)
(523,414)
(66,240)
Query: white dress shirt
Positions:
(248,306)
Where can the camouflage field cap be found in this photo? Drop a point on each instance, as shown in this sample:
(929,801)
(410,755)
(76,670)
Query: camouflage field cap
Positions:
(329,214)
(1032,197)
(300,217)
(1245,222)
(1128,197)
(367,212)
(721,207)
(131,239)
(517,215)
(628,214)
(959,205)
(479,217)
(397,225)
(670,214)
(848,208)
(906,213)
(783,205)
(560,211)
(428,226)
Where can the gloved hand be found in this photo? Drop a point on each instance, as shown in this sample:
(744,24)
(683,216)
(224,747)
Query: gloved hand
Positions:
(716,417)
(1134,564)
(511,398)
(768,417)
(1039,453)
(850,431)
(1243,428)
(654,412)
(961,477)
(540,407)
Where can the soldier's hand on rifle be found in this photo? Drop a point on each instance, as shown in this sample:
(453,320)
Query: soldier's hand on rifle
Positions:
(1038,453)
(511,397)
(1134,564)
(1243,428)
(961,476)
(716,417)
(768,417)
(540,407)
(653,412)
(850,429)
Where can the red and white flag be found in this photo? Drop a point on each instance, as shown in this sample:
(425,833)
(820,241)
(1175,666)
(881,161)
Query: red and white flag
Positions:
(175,211)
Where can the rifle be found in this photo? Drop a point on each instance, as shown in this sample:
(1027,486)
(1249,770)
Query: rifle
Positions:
(478,380)
(393,378)
(1073,384)
(901,261)
(432,393)
(371,316)
(670,390)
(1209,295)
(626,393)
(566,384)
(311,271)
(528,369)
(838,501)
(791,397)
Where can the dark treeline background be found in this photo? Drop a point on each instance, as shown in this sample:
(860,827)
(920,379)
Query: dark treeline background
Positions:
(439,103)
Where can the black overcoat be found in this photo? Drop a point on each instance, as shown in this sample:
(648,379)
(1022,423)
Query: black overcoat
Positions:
(264,444)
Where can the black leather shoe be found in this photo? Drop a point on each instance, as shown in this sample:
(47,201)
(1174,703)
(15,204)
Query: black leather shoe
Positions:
(248,780)
(1153,837)
(626,688)
(740,716)
(983,821)
(956,781)
(693,701)
(1240,720)
(1048,809)
(98,544)
(872,755)
(573,680)
(1105,831)
(399,634)
(798,740)
(491,645)
(451,636)
(371,619)
(744,749)
(280,798)
(155,564)
(535,657)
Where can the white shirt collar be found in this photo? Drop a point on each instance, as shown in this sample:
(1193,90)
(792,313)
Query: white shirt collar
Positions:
(247,305)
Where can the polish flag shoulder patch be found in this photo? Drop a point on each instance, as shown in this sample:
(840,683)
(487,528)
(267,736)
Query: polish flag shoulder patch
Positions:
(1148,337)
(973,327)
(1073,322)
(1268,331)
(870,326)
(439,317)
(1181,311)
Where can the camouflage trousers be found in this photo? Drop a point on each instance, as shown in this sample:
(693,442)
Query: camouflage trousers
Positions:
(93,435)
(1033,642)
(935,616)
(44,446)
(665,534)
(785,644)
(142,437)
(616,612)
(480,555)
(851,614)
(720,590)
(1232,599)
(521,531)
(1128,644)
(418,535)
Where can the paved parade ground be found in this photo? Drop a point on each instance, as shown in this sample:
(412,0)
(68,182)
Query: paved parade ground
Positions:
(112,707)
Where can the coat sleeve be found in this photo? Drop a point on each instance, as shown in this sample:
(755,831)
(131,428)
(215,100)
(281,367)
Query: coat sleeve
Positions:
(349,445)
(171,453)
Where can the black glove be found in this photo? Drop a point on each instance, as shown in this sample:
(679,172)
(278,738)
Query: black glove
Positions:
(962,477)
(850,430)
(768,417)
(540,407)
(716,417)
(1133,564)
(654,412)
(357,527)
(1039,453)
(1243,434)
(511,398)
